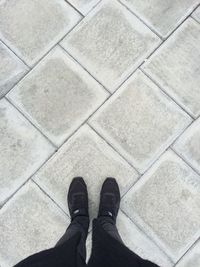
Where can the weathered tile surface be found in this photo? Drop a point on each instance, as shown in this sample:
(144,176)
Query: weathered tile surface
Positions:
(192,258)
(58,95)
(140,121)
(162,16)
(175,66)
(117,42)
(138,242)
(137,124)
(31,34)
(11,69)
(165,202)
(188,145)
(22,150)
(196,14)
(87,155)
(84,6)
(29,223)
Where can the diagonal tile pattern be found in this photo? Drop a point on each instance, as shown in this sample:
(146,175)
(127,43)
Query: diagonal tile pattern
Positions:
(32,34)
(175,65)
(188,145)
(84,154)
(11,69)
(110,57)
(196,14)
(140,121)
(191,259)
(114,85)
(84,6)
(140,243)
(162,16)
(29,223)
(58,79)
(166,204)
(22,150)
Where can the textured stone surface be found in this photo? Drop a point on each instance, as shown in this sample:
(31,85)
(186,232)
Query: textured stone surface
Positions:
(188,145)
(29,223)
(192,258)
(134,126)
(117,42)
(22,150)
(166,204)
(162,16)
(11,69)
(58,95)
(175,66)
(196,14)
(138,242)
(140,121)
(84,6)
(24,24)
(87,155)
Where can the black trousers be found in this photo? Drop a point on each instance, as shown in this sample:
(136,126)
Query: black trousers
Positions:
(80,224)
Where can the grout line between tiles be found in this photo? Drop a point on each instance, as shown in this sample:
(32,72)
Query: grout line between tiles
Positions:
(186,162)
(141,20)
(146,234)
(129,163)
(86,121)
(31,68)
(27,180)
(24,116)
(195,19)
(154,31)
(142,174)
(71,5)
(98,2)
(167,94)
(15,54)
(66,52)
(41,189)
(189,249)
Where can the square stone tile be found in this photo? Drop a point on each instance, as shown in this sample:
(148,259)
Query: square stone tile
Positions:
(140,121)
(29,222)
(86,155)
(117,42)
(196,14)
(165,202)
(139,243)
(188,145)
(22,150)
(192,258)
(11,69)
(24,24)
(162,16)
(58,95)
(175,66)
(84,6)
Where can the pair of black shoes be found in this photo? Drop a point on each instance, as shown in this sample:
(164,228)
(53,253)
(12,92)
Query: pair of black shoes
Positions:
(109,199)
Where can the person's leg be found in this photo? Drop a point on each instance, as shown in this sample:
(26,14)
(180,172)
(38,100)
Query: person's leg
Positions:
(78,208)
(110,227)
(109,207)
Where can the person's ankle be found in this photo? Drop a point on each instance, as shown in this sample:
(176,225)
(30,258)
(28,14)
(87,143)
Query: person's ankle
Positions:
(83,221)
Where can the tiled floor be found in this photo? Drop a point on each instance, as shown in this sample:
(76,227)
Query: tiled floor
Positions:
(101,88)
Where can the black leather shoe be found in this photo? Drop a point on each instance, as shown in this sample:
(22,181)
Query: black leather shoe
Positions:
(109,199)
(78,198)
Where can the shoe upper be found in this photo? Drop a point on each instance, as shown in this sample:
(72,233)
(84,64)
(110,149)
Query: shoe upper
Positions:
(109,199)
(78,198)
